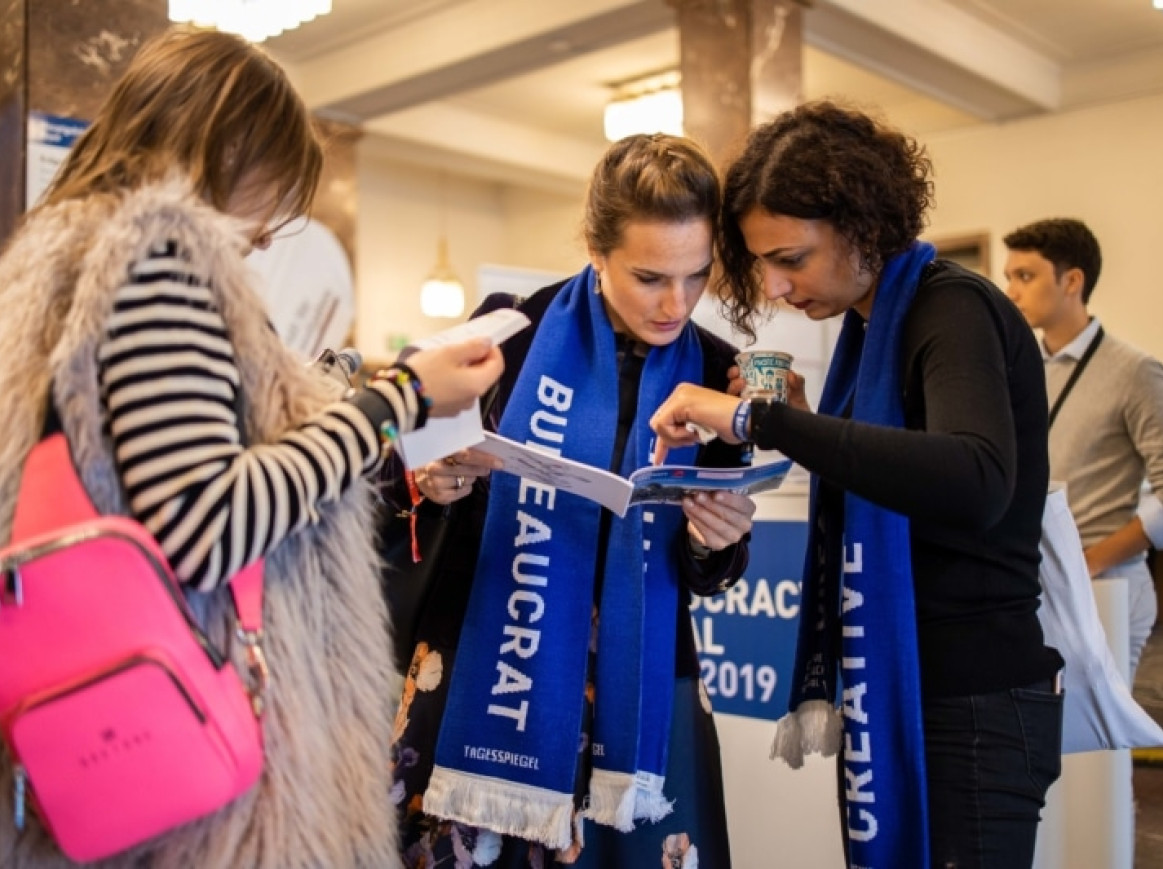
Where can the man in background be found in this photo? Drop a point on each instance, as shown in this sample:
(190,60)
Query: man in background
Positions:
(1106,410)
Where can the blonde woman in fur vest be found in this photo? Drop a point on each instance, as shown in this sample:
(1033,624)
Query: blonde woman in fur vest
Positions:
(126,296)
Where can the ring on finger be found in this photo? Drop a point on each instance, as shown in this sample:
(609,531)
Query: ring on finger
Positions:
(459,484)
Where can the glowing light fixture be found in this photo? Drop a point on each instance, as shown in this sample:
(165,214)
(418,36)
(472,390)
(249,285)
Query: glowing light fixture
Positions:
(254,20)
(649,104)
(442,294)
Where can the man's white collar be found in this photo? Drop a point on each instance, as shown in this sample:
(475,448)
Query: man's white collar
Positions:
(1075,348)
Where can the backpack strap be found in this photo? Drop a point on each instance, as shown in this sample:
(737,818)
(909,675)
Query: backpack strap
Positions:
(51,495)
(246,591)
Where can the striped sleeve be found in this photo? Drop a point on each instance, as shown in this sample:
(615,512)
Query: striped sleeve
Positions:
(169,385)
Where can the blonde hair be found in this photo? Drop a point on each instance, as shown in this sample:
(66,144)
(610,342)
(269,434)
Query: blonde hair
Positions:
(209,105)
(649,177)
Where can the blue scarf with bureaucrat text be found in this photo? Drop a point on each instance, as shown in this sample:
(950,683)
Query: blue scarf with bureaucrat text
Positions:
(507,755)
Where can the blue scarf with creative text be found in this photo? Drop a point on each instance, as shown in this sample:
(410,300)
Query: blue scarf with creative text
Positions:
(858,619)
(507,753)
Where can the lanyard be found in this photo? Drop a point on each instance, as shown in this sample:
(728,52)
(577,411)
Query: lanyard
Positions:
(1074,375)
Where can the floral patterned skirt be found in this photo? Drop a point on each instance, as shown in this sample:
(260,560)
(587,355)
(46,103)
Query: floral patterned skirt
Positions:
(693,835)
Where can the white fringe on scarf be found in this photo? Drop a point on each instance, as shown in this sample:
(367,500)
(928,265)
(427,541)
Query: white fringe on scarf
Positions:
(650,804)
(813,728)
(530,813)
(618,799)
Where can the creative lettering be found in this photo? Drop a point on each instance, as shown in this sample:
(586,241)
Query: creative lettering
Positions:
(858,777)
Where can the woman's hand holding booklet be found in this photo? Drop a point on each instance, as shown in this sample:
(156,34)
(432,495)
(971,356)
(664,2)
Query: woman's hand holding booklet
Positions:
(652,484)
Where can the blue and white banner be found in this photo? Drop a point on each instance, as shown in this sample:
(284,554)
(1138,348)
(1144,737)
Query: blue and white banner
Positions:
(50,137)
(746,637)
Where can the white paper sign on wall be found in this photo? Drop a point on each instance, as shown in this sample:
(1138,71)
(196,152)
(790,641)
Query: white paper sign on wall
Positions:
(50,138)
(305,279)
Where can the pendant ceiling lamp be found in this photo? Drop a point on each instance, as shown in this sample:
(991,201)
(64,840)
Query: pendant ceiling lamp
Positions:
(442,294)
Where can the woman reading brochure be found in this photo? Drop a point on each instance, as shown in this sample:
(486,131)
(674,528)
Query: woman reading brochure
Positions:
(554,685)
(929,466)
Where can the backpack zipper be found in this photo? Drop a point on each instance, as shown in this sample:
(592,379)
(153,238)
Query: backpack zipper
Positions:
(18,795)
(12,563)
(21,781)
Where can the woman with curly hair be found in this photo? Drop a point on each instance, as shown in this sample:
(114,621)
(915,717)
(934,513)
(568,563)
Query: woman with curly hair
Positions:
(929,471)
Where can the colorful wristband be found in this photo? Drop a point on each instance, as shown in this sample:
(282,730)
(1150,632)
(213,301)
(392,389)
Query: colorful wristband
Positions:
(405,378)
(389,434)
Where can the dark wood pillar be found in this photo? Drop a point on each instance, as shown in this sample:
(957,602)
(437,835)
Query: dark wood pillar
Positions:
(60,57)
(741,63)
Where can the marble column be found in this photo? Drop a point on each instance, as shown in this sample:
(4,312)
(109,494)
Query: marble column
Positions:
(60,57)
(13,107)
(336,201)
(741,63)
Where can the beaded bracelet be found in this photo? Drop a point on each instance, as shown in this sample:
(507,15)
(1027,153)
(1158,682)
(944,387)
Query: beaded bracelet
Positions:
(422,397)
(403,376)
(388,432)
(741,421)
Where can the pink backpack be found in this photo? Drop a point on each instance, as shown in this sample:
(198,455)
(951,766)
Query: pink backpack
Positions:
(122,720)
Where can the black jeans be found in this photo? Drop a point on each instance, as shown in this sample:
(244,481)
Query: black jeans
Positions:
(990,760)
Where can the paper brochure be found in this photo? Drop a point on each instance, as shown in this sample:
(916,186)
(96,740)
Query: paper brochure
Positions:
(660,484)
(443,436)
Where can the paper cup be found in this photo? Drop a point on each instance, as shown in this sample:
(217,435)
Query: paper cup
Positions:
(765,372)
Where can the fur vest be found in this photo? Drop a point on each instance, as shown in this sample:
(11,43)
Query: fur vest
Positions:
(323,799)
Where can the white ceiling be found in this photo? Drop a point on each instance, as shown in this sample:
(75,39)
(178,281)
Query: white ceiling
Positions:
(515,88)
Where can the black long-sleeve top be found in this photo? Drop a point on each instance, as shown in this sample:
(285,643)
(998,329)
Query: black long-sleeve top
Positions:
(969,470)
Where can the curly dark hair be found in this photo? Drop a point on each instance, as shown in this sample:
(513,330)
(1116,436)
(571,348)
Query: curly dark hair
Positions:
(823,161)
(1067,243)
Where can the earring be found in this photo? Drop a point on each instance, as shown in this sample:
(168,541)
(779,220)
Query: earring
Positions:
(598,285)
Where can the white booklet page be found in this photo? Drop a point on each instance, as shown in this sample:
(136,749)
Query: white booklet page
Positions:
(443,436)
(661,484)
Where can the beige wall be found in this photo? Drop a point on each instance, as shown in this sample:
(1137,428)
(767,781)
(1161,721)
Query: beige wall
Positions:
(397,231)
(543,230)
(1102,165)
(486,222)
